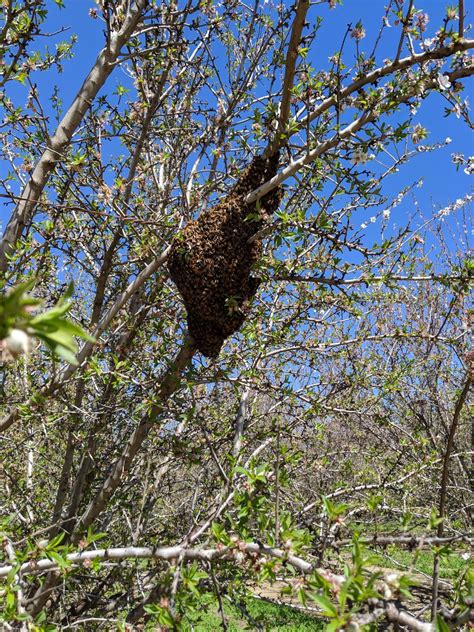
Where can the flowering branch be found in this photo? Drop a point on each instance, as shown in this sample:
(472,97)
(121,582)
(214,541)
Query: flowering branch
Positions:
(58,143)
(379,607)
(370,78)
(368,117)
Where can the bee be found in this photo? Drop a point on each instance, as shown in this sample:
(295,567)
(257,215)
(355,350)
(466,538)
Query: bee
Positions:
(211,260)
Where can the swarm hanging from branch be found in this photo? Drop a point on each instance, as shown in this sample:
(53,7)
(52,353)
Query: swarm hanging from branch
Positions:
(211,259)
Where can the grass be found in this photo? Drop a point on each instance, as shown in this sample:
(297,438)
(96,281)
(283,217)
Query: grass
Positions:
(451,564)
(259,614)
(267,615)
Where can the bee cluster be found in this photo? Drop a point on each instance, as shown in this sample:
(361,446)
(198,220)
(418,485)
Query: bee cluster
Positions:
(211,260)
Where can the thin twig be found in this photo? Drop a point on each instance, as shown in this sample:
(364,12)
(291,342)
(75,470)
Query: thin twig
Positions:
(277,486)
(10,551)
(219,598)
(405,23)
(461,19)
(444,484)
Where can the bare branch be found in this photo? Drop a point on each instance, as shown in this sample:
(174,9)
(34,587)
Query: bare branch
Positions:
(405,23)
(172,553)
(295,278)
(168,384)
(444,484)
(167,553)
(10,551)
(461,18)
(290,68)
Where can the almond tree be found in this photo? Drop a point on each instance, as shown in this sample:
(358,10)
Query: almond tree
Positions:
(206,468)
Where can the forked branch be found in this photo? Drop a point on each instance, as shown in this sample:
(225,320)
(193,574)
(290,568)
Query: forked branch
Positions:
(58,143)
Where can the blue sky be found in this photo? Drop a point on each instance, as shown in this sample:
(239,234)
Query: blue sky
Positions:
(442,183)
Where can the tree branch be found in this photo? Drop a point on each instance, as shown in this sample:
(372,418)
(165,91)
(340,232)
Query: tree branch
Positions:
(58,143)
(383,71)
(87,347)
(290,68)
(169,383)
(368,117)
(172,553)
(461,18)
(444,484)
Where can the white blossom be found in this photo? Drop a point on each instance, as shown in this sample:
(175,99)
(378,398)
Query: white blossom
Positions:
(469,169)
(421,87)
(444,82)
(422,20)
(418,133)
(17,342)
(460,202)
(457,110)
(360,156)
(358,32)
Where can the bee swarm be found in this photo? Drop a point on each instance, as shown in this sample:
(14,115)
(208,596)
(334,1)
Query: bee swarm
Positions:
(211,260)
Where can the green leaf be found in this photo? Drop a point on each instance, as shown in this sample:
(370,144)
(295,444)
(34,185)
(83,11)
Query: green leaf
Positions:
(52,314)
(94,537)
(441,625)
(65,354)
(56,541)
(76,330)
(62,562)
(11,575)
(21,77)
(59,337)
(328,609)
